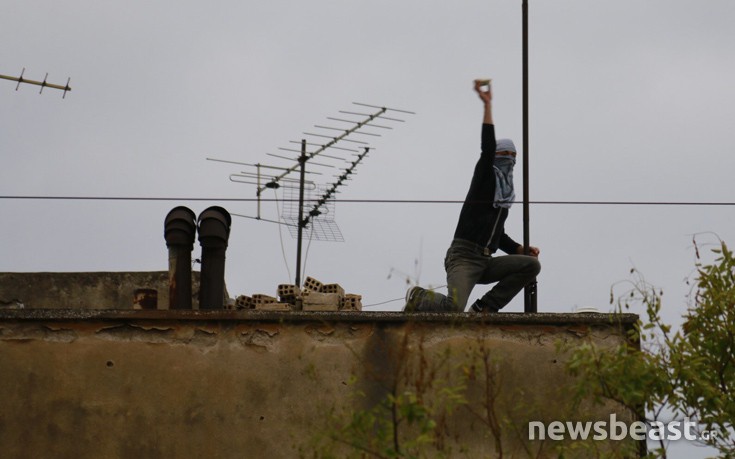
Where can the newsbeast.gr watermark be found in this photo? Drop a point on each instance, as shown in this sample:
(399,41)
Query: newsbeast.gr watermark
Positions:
(613,429)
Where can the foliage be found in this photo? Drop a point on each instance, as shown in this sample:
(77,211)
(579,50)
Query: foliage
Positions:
(657,372)
(406,422)
(690,372)
(414,416)
(377,431)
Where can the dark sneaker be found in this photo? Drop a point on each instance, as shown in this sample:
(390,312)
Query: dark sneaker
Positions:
(479,307)
(412,299)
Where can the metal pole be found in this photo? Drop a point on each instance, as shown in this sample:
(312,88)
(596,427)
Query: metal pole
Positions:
(302,162)
(258,192)
(530,292)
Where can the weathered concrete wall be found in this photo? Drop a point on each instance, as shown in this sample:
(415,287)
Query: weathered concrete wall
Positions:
(90,290)
(228,384)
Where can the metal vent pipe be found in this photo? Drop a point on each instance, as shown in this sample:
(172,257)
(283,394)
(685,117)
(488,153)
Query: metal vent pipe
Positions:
(214,232)
(179,232)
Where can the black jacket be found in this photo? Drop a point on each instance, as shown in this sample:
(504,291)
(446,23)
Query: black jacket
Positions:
(479,221)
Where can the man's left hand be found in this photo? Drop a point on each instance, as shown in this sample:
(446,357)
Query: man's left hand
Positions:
(532,251)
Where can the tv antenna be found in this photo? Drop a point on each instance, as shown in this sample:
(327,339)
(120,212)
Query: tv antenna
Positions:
(315,208)
(43,84)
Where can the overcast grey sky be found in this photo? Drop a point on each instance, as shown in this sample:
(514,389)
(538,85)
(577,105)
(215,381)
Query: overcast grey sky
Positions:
(630,101)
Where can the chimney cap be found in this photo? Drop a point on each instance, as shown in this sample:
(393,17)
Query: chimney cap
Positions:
(180,226)
(214,224)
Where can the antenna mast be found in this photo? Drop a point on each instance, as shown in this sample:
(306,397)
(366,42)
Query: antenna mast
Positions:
(317,217)
(43,84)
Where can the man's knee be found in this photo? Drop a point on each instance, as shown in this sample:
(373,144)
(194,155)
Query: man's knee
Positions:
(533,266)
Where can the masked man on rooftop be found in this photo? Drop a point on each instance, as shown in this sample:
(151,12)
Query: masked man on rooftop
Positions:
(480,232)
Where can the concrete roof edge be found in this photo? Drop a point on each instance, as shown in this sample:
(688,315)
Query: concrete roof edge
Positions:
(322,316)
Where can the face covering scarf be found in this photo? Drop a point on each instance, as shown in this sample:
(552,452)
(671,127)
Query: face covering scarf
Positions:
(503,168)
(504,192)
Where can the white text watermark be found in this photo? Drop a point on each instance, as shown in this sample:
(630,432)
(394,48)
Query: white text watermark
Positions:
(613,429)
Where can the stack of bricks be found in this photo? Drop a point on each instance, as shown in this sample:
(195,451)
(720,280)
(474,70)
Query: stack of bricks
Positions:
(320,297)
(312,285)
(268,303)
(291,294)
(319,301)
(244,302)
(314,296)
(351,302)
(333,288)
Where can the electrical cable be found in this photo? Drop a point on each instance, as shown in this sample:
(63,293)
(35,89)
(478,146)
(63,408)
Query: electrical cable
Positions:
(280,236)
(306,255)
(369,201)
(380,304)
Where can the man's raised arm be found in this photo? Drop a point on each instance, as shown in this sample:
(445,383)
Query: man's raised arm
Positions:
(486,97)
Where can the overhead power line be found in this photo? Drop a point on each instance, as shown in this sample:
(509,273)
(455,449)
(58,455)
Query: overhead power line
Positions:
(365,201)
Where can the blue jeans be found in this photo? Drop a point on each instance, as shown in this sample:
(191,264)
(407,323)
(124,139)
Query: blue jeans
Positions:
(467,265)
